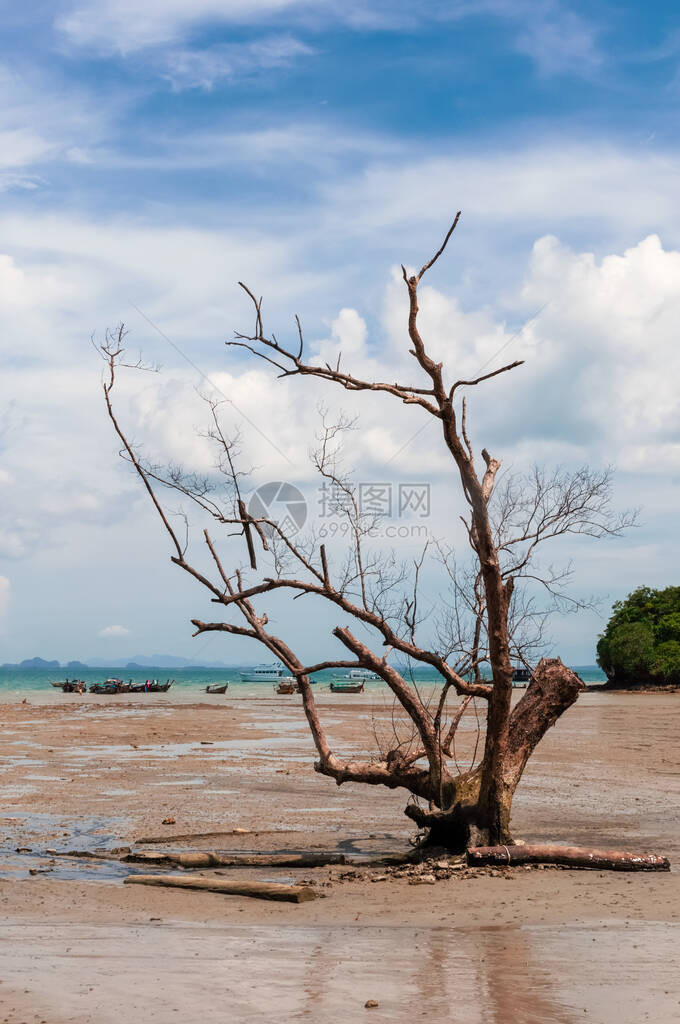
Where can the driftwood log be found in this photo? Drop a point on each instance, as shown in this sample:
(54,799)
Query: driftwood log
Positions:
(186,837)
(206,859)
(569,856)
(257,890)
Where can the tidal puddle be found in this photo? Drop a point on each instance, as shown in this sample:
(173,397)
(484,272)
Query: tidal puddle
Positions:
(28,837)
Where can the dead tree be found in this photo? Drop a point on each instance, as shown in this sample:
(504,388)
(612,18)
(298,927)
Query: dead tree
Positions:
(490,620)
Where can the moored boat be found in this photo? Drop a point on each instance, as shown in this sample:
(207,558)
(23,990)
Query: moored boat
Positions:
(71,685)
(216,688)
(109,686)
(286,685)
(347,687)
(264,673)
(358,675)
(156,687)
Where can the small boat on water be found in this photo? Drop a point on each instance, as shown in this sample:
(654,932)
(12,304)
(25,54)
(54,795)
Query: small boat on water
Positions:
(71,685)
(359,675)
(347,687)
(216,688)
(113,686)
(150,686)
(156,687)
(286,685)
(264,673)
(110,686)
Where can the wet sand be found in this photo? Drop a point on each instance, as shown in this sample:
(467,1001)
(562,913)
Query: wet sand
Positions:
(78,946)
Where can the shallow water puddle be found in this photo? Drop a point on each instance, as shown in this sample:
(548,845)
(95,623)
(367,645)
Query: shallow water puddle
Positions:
(35,834)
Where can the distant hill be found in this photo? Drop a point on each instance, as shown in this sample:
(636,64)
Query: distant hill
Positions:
(37,663)
(134,666)
(76,664)
(139,661)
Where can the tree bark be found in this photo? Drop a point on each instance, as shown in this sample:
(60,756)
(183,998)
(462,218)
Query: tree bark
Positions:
(569,856)
(477,810)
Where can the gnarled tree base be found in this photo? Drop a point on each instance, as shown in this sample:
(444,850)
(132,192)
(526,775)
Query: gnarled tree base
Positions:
(451,830)
(471,818)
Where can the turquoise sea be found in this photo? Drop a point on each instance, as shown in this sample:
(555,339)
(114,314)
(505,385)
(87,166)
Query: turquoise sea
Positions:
(189,683)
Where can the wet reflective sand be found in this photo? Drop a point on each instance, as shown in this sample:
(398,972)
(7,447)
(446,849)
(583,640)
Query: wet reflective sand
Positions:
(161,972)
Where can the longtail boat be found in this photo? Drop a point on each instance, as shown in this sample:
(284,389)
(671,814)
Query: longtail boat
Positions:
(71,685)
(156,687)
(109,687)
(347,687)
(216,688)
(286,685)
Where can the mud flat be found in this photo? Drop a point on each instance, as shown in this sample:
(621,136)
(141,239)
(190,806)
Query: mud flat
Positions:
(531,945)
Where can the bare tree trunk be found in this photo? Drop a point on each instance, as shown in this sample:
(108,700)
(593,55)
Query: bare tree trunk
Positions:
(479,803)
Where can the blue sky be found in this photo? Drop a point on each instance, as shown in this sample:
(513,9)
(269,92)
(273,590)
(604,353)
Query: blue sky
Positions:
(154,154)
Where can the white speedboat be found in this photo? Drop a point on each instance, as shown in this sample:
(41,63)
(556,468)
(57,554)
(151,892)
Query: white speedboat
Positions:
(264,673)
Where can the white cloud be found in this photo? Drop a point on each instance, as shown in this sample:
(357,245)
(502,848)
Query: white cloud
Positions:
(125,26)
(43,121)
(203,69)
(348,339)
(5,589)
(557,38)
(613,323)
(562,184)
(113,631)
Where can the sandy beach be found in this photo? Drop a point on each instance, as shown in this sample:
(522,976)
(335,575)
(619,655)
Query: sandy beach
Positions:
(532,945)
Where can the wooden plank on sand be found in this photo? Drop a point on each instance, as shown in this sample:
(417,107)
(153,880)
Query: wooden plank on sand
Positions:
(257,890)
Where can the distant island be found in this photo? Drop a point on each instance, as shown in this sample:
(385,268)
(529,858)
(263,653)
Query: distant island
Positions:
(137,663)
(33,663)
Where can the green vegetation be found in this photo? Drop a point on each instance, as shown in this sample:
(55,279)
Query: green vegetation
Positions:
(641,644)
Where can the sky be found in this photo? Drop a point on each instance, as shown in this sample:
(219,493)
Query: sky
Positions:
(153,155)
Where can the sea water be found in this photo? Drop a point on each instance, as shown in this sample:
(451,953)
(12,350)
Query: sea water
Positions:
(189,683)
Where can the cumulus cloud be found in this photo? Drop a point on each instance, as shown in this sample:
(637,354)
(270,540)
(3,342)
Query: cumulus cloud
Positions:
(348,338)
(598,381)
(612,323)
(113,631)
